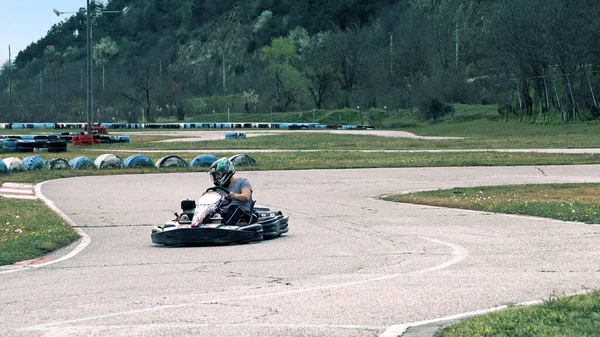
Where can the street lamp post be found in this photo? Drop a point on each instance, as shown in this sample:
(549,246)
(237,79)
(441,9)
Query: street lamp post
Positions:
(88,26)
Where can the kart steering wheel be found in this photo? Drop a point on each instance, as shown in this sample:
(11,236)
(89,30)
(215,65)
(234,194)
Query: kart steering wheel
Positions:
(219,189)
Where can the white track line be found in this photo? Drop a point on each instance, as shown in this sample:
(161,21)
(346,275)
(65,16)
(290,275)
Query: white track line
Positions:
(85,239)
(459,253)
(398,330)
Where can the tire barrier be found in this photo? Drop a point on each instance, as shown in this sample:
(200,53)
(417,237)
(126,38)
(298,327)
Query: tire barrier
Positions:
(85,140)
(10,145)
(242,159)
(25,145)
(13,164)
(203,160)
(171,161)
(55,146)
(58,164)
(40,145)
(34,163)
(81,163)
(235,135)
(103,126)
(137,160)
(99,129)
(108,161)
(3,167)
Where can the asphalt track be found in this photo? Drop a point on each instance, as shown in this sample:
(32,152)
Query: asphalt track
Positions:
(351,265)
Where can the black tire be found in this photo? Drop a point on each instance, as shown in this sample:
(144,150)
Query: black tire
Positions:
(55,146)
(171,161)
(242,159)
(25,145)
(58,164)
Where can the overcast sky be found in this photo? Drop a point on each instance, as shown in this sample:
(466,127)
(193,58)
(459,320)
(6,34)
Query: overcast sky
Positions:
(25,21)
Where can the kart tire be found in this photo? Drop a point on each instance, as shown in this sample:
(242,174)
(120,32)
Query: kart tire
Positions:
(258,232)
(108,161)
(33,163)
(13,164)
(171,161)
(58,164)
(137,160)
(3,167)
(203,160)
(82,162)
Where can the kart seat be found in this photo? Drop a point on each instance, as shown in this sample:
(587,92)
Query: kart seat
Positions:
(253,216)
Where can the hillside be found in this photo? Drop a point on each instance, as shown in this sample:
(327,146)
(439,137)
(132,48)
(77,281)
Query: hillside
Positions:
(184,58)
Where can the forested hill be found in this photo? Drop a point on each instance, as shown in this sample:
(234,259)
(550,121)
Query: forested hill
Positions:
(162,58)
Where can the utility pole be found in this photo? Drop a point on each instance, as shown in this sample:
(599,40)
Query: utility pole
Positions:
(391,54)
(89,67)
(456,45)
(224,87)
(9,80)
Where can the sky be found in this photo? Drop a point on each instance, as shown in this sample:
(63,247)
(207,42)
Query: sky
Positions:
(25,21)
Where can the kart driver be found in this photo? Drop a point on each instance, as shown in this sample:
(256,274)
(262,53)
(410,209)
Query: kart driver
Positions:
(240,194)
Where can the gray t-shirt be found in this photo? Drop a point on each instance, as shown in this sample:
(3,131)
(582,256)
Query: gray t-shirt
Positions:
(236,187)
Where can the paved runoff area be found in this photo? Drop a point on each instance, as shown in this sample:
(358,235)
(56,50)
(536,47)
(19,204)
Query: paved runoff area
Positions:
(350,265)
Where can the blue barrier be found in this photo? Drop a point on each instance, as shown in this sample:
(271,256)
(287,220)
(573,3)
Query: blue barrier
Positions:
(199,125)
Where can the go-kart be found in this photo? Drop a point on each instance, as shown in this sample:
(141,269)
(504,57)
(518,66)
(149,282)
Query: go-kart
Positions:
(201,223)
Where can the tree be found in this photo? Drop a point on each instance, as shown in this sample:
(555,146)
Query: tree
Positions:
(281,57)
(346,50)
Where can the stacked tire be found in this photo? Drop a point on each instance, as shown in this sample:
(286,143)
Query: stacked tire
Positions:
(55,146)
(86,140)
(40,144)
(10,145)
(25,145)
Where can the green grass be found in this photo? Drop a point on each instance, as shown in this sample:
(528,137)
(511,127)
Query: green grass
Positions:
(557,317)
(571,316)
(28,229)
(568,202)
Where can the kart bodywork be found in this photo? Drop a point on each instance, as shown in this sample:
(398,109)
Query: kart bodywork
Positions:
(200,223)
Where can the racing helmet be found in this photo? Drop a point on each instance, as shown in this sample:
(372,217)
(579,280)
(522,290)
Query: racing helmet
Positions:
(221,172)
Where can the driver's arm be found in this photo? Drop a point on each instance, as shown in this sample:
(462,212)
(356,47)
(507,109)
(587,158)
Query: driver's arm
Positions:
(243,197)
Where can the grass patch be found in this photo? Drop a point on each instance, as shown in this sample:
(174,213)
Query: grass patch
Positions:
(28,229)
(557,317)
(568,202)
